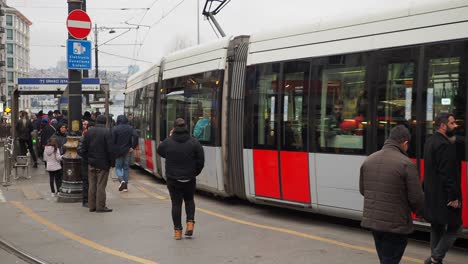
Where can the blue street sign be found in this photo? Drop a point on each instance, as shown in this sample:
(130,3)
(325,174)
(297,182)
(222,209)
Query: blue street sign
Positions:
(55,84)
(79,54)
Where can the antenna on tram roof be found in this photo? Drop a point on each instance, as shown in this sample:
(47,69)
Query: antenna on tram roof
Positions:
(212,7)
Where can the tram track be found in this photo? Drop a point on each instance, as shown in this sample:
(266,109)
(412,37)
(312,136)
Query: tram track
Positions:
(13,250)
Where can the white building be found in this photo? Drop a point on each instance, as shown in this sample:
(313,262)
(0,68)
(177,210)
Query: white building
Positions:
(17,52)
(3,85)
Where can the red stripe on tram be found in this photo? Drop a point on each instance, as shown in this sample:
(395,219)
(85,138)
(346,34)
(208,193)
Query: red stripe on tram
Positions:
(149,154)
(464,186)
(266,173)
(295,176)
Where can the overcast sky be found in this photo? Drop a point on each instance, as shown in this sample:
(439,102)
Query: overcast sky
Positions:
(169,22)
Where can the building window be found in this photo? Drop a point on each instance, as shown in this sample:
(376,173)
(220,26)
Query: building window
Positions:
(10,90)
(11,77)
(10,62)
(10,34)
(9,20)
(10,48)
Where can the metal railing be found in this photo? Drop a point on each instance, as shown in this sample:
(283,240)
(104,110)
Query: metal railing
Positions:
(8,147)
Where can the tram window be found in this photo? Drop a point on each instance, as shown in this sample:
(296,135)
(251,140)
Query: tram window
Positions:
(396,98)
(196,98)
(265,99)
(343,107)
(294,106)
(442,91)
(446,86)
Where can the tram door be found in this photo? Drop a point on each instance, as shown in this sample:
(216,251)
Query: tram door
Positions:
(281,163)
(396,94)
(445,87)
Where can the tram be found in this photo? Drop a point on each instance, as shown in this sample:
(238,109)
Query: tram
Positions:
(286,118)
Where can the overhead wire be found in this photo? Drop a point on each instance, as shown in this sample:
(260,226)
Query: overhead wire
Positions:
(123,57)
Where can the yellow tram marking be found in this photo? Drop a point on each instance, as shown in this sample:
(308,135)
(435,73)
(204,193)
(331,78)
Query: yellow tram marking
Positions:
(79,239)
(291,232)
(150,193)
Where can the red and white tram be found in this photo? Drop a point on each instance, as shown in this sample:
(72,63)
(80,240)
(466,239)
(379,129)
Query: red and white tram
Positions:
(287,118)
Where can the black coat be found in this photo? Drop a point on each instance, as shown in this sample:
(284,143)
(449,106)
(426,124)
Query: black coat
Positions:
(47,132)
(184,156)
(97,146)
(24,130)
(124,137)
(442,182)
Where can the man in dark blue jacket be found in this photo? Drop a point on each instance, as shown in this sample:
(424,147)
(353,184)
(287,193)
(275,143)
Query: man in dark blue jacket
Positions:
(125,141)
(184,161)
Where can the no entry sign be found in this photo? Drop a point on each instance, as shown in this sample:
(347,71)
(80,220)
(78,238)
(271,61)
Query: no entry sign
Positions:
(78,24)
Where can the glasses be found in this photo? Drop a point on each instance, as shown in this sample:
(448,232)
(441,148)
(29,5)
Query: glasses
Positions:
(338,109)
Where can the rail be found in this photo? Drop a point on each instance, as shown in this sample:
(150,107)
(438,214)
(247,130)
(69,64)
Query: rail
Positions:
(19,253)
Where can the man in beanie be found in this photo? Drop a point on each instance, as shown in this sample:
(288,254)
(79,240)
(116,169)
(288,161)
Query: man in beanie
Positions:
(97,147)
(184,161)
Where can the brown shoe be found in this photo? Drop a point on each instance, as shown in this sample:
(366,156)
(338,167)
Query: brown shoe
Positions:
(177,234)
(190,226)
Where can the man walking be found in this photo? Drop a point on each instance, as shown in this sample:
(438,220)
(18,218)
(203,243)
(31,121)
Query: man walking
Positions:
(24,128)
(442,188)
(184,161)
(390,185)
(125,141)
(97,146)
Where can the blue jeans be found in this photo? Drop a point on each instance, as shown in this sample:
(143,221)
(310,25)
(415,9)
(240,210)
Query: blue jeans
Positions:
(122,167)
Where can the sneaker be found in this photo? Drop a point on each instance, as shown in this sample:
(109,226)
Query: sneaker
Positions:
(35,165)
(52,194)
(122,186)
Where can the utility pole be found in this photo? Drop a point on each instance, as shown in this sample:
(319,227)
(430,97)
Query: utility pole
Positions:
(74,84)
(72,188)
(96,52)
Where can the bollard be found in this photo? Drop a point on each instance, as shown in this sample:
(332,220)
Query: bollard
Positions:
(7,145)
(72,183)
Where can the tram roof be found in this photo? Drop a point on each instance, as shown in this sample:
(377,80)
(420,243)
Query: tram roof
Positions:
(291,43)
(202,58)
(142,79)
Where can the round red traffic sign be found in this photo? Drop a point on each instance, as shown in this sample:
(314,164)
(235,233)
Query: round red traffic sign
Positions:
(78,24)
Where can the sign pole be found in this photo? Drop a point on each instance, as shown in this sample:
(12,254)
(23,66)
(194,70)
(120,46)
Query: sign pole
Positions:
(74,84)
(72,187)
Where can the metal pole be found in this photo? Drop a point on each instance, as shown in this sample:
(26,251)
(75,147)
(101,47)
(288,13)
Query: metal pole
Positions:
(71,188)
(218,27)
(198,22)
(96,51)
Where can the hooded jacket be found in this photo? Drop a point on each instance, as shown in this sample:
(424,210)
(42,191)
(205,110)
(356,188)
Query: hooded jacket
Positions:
(184,155)
(52,158)
(389,182)
(124,137)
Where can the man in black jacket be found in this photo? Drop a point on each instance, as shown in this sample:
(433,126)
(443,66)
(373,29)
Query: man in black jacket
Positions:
(185,160)
(442,188)
(97,146)
(125,141)
(24,128)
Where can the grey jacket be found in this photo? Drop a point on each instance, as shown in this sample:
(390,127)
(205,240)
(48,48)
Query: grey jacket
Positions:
(390,185)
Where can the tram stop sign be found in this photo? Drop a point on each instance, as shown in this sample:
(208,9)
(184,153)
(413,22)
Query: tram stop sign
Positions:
(78,24)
